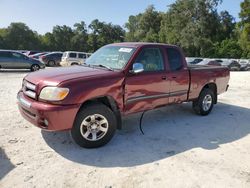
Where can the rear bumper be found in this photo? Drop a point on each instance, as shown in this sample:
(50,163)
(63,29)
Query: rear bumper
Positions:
(47,116)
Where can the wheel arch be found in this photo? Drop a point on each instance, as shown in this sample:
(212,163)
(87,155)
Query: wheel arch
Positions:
(74,63)
(213,87)
(110,102)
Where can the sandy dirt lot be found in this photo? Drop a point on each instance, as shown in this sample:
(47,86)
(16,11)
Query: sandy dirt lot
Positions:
(179,148)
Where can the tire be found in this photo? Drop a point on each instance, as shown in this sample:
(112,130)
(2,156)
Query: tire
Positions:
(74,64)
(89,120)
(204,104)
(35,67)
(51,63)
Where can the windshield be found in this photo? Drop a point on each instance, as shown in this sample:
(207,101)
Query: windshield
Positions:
(115,57)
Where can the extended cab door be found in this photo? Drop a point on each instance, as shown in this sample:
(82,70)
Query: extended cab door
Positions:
(177,74)
(150,88)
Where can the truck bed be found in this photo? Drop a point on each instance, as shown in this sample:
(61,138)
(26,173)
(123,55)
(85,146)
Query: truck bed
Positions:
(201,75)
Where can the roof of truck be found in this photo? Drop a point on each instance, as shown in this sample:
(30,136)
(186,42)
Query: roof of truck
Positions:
(139,44)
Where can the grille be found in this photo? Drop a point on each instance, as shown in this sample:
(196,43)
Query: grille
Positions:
(29,89)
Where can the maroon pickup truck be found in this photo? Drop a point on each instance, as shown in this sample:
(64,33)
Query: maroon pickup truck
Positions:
(118,79)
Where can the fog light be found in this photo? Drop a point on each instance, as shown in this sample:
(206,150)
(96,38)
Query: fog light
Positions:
(46,122)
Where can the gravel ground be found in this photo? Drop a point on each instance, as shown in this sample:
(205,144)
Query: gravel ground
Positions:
(179,148)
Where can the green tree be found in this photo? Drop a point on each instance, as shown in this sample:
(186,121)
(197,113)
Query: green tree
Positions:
(79,41)
(133,27)
(2,38)
(228,48)
(144,26)
(62,36)
(244,28)
(196,26)
(20,36)
(103,33)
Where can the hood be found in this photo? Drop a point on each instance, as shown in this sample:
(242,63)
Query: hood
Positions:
(54,76)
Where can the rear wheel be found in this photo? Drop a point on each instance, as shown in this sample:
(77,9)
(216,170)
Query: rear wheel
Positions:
(204,104)
(94,126)
(51,63)
(35,67)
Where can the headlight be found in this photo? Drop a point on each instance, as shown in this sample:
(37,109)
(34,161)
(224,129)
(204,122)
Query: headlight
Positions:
(53,93)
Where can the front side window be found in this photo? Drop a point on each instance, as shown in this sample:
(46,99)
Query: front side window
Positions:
(151,59)
(174,59)
(115,57)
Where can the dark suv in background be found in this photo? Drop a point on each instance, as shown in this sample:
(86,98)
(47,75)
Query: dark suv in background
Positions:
(51,59)
(16,60)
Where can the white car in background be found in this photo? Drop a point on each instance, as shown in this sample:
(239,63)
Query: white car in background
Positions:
(244,64)
(74,58)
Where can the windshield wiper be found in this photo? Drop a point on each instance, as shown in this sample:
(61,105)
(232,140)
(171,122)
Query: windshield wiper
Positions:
(104,66)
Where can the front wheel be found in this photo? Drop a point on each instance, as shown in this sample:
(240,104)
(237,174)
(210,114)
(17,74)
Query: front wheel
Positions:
(35,67)
(94,126)
(204,104)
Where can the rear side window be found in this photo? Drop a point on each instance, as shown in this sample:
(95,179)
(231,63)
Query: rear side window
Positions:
(5,54)
(17,55)
(83,56)
(174,59)
(73,55)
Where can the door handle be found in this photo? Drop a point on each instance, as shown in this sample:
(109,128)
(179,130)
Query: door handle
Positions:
(174,77)
(164,78)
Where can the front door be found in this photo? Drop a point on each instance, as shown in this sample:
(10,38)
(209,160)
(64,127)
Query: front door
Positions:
(150,88)
(20,61)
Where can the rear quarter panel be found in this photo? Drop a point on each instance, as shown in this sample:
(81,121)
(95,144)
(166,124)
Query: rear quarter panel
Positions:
(201,77)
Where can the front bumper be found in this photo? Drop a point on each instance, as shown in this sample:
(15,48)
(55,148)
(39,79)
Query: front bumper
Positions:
(47,116)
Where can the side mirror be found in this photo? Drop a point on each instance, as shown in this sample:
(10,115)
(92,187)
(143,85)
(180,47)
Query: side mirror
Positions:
(137,68)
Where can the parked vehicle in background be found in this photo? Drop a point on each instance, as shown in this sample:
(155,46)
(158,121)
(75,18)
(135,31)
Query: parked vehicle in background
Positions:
(29,53)
(51,59)
(22,51)
(232,64)
(37,55)
(207,61)
(212,62)
(244,64)
(193,60)
(16,60)
(118,79)
(73,58)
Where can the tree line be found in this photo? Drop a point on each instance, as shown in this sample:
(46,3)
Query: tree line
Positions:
(194,25)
